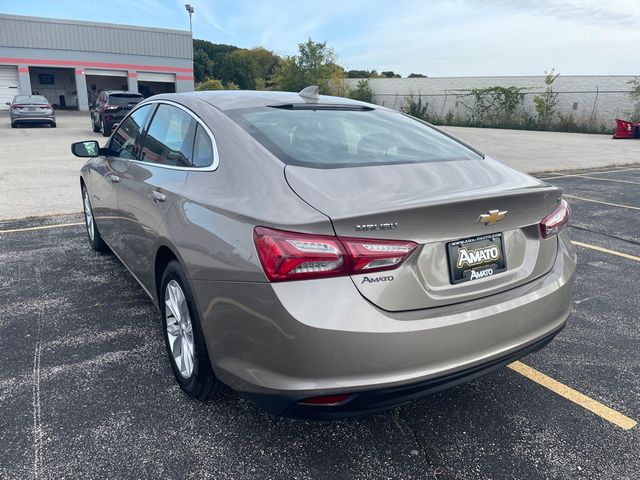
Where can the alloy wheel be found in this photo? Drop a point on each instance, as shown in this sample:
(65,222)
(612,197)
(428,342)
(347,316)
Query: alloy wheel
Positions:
(88,215)
(179,328)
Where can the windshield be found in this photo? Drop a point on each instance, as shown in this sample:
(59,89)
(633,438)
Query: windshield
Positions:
(124,99)
(33,99)
(339,137)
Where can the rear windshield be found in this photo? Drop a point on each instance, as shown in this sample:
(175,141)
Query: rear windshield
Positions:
(34,99)
(339,137)
(124,99)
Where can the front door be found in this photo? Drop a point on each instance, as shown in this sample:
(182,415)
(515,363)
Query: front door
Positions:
(121,148)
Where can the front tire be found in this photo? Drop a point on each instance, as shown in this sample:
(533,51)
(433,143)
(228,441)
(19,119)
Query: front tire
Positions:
(95,239)
(183,336)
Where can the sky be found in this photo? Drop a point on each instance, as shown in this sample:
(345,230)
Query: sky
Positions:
(432,37)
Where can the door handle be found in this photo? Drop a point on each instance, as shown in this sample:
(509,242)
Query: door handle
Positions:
(114,178)
(158,196)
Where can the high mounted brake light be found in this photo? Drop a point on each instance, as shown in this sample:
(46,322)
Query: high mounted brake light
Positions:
(300,256)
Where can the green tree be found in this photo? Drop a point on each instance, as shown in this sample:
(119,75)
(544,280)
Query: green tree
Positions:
(362,74)
(202,65)
(390,74)
(316,64)
(238,68)
(416,75)
(546,102)
(362,92)
(265,64)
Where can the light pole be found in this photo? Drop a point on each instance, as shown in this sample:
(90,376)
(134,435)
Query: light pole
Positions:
(190,9)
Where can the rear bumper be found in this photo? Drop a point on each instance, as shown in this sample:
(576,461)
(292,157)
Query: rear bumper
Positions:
(371,401)
(28,119)
(281,343)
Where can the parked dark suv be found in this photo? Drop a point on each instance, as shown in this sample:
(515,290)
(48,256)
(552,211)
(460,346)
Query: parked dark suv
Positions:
(111,107)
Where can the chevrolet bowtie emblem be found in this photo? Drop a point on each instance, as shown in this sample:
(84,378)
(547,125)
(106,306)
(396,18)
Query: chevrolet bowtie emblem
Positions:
(491,217)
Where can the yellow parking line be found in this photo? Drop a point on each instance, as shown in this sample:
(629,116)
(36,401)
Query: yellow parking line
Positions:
(574,396)
(43,227)
(606,250)
(601,202)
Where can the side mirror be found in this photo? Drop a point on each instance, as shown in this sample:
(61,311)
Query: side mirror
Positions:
(87,149)
(7,103)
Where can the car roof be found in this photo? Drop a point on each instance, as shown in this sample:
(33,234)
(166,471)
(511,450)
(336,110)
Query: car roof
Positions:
(233,99)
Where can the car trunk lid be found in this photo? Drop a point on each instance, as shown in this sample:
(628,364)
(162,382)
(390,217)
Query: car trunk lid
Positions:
(435,204)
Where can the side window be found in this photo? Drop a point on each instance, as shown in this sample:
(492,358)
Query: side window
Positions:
(169,138)
(202,149)
(123,142)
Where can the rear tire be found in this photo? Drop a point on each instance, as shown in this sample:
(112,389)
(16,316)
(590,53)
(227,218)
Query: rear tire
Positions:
(183,337)
(53,125)
(14,125)
(105,132)
(96,128)
(95,239)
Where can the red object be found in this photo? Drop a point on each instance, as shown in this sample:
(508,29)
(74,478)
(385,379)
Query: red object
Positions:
(327,401)
(626,129)
(302,256)
(553,223)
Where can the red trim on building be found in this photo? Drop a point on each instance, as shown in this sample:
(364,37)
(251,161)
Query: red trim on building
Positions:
(79,71)
(132,74)
(183,77)
(74,63)
(23,69)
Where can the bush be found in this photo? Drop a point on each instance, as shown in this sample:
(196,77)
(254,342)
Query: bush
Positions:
(416,108)
(634,114)
(215,84)
(545,104)
(210,84)
(362,92)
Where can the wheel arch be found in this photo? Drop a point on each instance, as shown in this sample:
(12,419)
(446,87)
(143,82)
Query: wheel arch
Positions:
(164,255)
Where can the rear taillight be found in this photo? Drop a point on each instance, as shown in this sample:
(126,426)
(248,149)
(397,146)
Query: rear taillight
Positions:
(16,107)
(553,223)
(369,256)
(301,256)
(110,107)
(296,256)
(46,107)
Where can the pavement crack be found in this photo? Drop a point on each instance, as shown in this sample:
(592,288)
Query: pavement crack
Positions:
(36,404)
(615,237)
(407,430)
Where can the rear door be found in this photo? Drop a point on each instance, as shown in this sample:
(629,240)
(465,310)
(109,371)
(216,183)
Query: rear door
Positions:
(150,185)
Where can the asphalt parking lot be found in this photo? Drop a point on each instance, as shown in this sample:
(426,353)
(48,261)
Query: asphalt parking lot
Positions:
(86,390)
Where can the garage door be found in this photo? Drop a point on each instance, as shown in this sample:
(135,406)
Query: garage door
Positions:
(9,85)
(156,77)
(105,73)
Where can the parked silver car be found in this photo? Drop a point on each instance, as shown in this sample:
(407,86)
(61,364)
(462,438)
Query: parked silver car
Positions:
(31,109)
(324,256)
